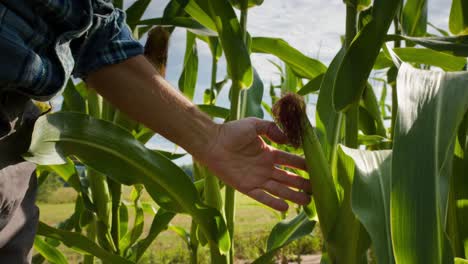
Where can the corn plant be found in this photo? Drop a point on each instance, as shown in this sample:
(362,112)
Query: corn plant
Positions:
(386,177)
(402,200)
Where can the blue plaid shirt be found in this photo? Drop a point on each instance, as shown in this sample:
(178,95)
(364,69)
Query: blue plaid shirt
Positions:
(44,42)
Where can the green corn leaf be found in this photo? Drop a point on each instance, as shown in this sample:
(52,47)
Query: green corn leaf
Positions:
(235,50)
(49,252)
(441,31)
(72,100)
(254,96)
(364,17)
(458,196)
(82,89)
(124,121)
(290,81)
(190,24)
(137,228)
(143,134)
(123,216)
(68,173)
(461,261)
(328,120)
(219,85)
(383,61)
(278,67)
(75,218)
(302,65)
(71,222)
(250,3)
(267,108)
(95,103)
(284,233)
(348,240)
(148,208)
(369,140)
(458,21)
(312,86)
(363,51)
(214,111)
(175,8)
(431,105)
(212,190)
(209,96)
(182,233)
(216,49)
(37,259)
(366,122)
(414,18)
(160,223)
(113,151)
(102,206)
(202,16)
(289,230)
(194,244)
(86,217)
(370,104)
(172,155)
(136,11)
(363,4)
(188,78)
(424,56)
(108,110)
(457,45)
(321,179)
(80,243)
(42,175)
(370,197)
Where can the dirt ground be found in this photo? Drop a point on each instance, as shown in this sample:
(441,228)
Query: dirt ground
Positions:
(309,259)
(306,259)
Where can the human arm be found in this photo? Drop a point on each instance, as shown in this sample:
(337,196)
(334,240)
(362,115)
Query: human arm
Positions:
(234,151)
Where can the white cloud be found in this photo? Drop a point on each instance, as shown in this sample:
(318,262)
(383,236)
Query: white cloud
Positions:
(312,26)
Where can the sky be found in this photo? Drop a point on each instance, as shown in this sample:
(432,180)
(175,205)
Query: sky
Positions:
(313,27)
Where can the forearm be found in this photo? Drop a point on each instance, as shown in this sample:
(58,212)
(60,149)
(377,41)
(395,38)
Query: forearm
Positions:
(138,90)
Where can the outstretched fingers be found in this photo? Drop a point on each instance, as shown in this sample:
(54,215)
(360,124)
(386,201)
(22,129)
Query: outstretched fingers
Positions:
(289,160)
(283,192)
(268,200)
(291,179)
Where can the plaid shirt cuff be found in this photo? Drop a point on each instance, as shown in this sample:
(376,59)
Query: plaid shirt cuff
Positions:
(109,42)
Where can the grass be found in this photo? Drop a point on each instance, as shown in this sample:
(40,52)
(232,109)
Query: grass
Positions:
(253,224)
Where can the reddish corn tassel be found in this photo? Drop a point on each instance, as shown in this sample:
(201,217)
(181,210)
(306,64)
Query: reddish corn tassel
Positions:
(156,48)
(288,113)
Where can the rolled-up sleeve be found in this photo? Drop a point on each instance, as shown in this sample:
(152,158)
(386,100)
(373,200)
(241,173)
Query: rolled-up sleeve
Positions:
(109,41)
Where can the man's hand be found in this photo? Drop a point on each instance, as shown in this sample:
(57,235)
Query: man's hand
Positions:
(240,157)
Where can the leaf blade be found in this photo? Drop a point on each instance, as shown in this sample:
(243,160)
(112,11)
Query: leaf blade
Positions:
(422,145)
(371,198)
(302,65)
(115,152)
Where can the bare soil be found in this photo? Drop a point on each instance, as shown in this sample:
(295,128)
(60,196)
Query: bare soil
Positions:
(309,259)
(305,259)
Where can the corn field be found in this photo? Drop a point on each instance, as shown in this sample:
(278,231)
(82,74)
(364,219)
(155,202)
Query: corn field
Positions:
(389,176)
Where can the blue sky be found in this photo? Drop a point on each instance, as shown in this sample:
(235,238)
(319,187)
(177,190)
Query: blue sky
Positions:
(312,26)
